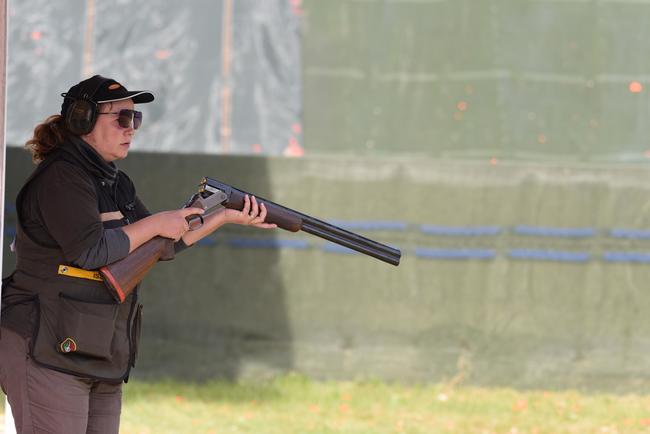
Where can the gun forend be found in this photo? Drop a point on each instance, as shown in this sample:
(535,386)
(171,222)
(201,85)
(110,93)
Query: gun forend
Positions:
(285,218)
(295,221)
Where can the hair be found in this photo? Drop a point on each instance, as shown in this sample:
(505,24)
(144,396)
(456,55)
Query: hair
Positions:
(48,136)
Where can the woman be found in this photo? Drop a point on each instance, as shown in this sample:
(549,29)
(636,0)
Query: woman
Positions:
(65,345)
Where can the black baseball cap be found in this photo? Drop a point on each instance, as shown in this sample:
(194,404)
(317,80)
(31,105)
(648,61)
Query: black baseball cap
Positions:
(100,89)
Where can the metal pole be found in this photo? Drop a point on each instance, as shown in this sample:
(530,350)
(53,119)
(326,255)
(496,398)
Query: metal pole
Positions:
(226,65)
(87,67)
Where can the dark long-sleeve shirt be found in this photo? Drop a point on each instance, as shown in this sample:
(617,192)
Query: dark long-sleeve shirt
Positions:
(60,209)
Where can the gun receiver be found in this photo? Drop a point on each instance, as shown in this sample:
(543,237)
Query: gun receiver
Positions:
(123,276)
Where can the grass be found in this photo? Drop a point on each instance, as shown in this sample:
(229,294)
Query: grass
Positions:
(294,404)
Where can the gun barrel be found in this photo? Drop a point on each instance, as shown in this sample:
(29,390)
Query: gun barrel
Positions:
(353,241)
(293,221)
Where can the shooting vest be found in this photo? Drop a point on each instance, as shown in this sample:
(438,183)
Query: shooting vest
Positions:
(76,326)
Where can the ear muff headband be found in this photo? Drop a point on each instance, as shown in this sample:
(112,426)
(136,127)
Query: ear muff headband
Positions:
(81,116)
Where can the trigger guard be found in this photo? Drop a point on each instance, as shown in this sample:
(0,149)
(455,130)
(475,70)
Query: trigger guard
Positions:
(199,226)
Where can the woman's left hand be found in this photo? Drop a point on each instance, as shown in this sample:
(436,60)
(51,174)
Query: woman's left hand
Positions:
(253,214)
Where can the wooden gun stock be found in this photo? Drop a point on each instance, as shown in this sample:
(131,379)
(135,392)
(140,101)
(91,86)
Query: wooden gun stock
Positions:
(123,276)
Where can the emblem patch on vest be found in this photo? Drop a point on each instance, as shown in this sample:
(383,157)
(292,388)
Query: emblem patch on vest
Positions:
(68,346)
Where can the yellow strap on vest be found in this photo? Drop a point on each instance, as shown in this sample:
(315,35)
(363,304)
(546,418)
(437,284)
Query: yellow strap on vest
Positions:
(69,271)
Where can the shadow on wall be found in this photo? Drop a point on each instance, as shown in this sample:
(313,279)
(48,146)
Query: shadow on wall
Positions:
(213,311)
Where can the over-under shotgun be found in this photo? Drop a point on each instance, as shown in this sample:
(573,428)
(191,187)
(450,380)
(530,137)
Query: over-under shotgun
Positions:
(124,275)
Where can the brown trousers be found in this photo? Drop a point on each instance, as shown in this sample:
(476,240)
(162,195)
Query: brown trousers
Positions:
(46,401)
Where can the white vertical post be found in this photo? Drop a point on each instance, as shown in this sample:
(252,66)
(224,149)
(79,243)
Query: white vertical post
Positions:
(10,428)
(9,420)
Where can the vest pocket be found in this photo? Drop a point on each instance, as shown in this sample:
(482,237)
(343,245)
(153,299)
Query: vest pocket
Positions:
(85,328)
(135,333)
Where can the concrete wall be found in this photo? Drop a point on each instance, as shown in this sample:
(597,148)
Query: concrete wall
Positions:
(514,275)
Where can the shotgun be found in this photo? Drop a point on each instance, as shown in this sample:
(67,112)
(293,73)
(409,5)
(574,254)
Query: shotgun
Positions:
(123,276)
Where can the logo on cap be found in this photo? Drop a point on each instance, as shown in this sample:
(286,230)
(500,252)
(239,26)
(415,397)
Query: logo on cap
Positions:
(114,86)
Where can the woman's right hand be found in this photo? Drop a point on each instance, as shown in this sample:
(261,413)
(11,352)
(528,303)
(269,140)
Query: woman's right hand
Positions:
(173,224)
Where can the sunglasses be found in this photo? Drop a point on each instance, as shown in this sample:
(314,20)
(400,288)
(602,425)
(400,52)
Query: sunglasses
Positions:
(127,118)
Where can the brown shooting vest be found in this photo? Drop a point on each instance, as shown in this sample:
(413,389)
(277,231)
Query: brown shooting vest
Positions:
(77,327)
